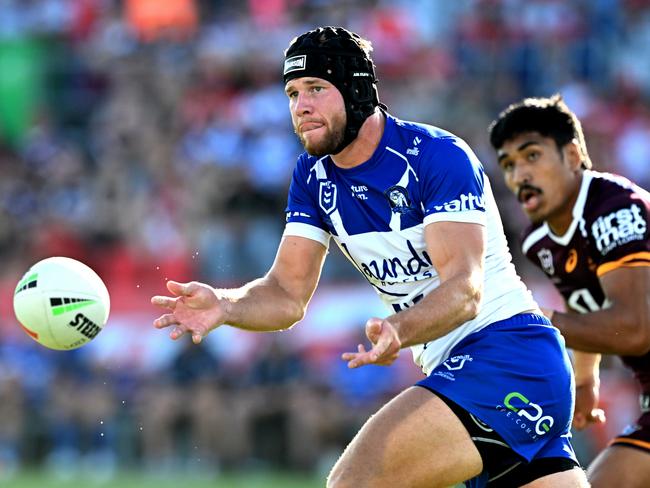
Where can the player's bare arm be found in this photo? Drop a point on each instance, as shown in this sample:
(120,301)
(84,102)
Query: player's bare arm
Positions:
(456,300)
(586,367)
(624,327)
(274,302)
(457,251)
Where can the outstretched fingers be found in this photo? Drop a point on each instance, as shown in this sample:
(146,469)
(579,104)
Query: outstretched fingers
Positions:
(189,308)
(164,302)
(182,289)
(356,359)
(385,345)
(165,321)
(180,330)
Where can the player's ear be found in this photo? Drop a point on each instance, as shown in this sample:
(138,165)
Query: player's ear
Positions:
(573,155)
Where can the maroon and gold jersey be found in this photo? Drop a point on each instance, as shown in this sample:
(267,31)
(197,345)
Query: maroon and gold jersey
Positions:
(609,230)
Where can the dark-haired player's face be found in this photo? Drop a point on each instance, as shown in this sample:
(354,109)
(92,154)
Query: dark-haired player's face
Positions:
(318,114)
(544,178)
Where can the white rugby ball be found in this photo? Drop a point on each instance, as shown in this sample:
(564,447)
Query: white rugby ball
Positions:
(61,303)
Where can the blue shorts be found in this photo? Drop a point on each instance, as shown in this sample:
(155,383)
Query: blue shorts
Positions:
(515,376)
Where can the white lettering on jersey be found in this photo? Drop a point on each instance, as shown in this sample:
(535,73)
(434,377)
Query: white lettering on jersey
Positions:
(463,204)
(297,214)
(392,269)
(618,228)
(359,191)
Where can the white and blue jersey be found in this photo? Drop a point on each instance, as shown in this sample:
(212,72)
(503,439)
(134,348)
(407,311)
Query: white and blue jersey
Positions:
(377,211)
(506,367)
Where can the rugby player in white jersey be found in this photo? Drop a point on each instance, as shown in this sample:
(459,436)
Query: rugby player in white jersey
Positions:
(410,206)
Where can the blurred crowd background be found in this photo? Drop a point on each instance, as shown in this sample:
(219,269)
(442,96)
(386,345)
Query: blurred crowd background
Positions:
(152,140)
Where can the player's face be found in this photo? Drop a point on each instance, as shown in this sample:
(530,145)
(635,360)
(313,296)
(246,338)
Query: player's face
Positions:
(317,113)
(544,178)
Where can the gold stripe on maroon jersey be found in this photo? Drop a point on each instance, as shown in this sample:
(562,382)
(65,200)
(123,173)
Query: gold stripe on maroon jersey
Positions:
(633,442)
(629,261)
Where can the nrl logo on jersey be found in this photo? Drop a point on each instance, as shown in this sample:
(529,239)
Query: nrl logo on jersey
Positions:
(327,196)
(546,260)
(399,200)
(618,228)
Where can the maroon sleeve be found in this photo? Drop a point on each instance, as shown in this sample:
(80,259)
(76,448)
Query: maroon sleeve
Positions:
(617,229)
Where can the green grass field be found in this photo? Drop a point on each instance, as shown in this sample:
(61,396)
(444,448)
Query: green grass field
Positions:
(37,479)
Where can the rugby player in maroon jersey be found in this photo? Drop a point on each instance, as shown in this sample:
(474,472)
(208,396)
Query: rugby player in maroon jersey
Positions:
(590,235)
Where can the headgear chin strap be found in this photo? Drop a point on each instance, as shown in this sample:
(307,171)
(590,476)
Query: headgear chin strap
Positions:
(335,54)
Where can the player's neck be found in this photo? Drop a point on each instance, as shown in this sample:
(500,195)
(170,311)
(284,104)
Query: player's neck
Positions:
(363,147)
(561,221)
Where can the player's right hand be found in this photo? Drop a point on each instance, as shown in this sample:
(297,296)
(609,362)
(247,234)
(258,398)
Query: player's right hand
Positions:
(385,345)
(195,309)
(586,410)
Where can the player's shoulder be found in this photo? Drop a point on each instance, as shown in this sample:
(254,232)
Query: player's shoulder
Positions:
(430,145)
(608,192)
(532,236)
(308,165)
(425,134)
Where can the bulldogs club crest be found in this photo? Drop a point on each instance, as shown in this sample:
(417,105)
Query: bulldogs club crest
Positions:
(399,200)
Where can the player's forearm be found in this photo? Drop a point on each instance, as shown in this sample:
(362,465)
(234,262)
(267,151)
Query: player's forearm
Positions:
(261,305)
(453,303)
(609,331)
(586,367)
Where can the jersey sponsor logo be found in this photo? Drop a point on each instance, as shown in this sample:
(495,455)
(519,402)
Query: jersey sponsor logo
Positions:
(295,63)
(546,260)
(618,228)
(527,415)
(327,196)
(457,362)
(414,151)
(571,261)
(445,374)
(399,200)
(359,191)
(392,269)
(463,203)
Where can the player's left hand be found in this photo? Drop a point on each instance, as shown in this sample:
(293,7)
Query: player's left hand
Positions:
(385,345)
(586,411)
